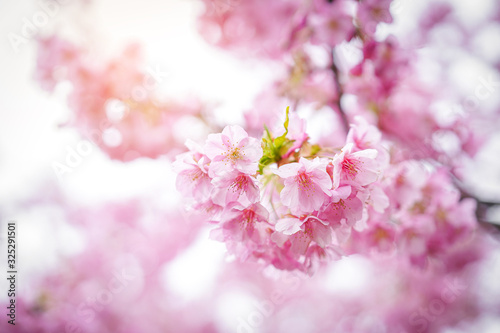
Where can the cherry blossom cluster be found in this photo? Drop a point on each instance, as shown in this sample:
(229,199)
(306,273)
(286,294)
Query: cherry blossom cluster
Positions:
(124,262)
(265,29)
(286,201)
(115,103)
(425,219)
(331,49)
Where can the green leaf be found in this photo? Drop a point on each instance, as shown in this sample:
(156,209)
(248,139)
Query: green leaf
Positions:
(273,149)
(282,138)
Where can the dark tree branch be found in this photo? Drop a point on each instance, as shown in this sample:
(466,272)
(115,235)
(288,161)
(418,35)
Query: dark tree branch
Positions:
(482,205)
(340,92)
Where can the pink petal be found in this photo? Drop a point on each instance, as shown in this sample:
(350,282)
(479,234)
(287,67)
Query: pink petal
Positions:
(288,225)
(290,196)
(213,146)
(235,133)
(367,153)
(341,192)
(288,170)
(323,180)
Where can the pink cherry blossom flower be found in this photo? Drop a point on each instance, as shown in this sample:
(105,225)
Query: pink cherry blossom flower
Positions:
(371,12)
(378,239)
(302,231)
(192,179)
(244,218)
(345,208)
(307,184)
(105,104)
(363,135)
(232,149)
(435,15)
(235,186)
(54,52)
(259,27)
(331,23)
(292,224)
(311,231)
(244,229)
(210,210)
(359,168)
(377,198)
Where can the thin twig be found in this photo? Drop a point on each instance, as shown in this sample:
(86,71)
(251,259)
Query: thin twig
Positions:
(482,205)
(340,92)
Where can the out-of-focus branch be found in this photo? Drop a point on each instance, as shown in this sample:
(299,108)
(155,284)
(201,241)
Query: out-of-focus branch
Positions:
(482,205)
(482,210)
(340,92)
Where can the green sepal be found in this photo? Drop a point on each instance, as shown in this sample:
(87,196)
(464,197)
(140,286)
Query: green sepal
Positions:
(273,149)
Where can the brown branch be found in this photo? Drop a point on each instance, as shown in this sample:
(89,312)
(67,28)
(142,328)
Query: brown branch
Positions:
(340,92)
(482,205)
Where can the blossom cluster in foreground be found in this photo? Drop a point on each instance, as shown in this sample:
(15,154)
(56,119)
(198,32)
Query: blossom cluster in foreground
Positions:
(293,204)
